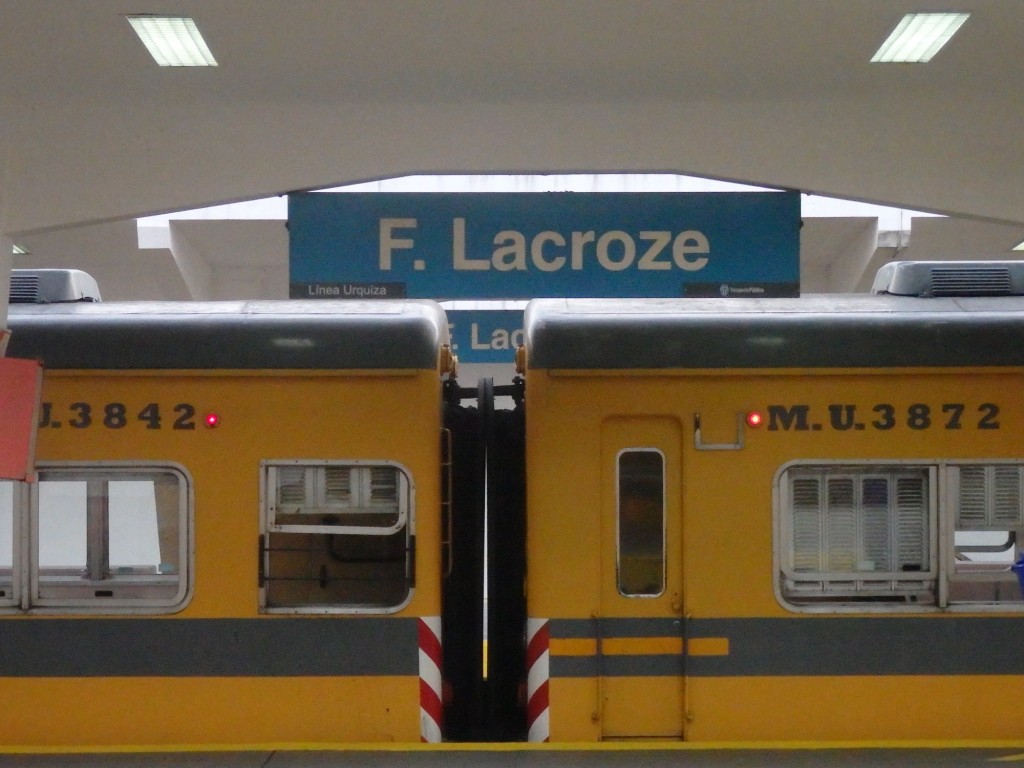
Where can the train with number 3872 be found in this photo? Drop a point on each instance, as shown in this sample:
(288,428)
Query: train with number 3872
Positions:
(708,520)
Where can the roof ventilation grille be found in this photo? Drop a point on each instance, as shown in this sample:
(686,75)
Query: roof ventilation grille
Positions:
(950,278)
(24,288)
(987,281)
(51,286)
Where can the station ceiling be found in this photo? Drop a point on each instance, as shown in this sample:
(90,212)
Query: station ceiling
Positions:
(312,94)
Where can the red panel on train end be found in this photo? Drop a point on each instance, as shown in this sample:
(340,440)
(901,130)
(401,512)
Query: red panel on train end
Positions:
(20,386)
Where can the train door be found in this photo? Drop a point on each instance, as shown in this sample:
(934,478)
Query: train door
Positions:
(640,634)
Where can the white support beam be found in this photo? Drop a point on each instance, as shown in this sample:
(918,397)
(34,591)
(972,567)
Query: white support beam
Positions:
(248,259)
(195,269)
(848,273)
(112,254)
(835,252)
(6,260)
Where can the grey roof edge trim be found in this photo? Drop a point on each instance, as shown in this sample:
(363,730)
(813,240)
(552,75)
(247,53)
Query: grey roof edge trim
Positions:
(767,333)
(234,335)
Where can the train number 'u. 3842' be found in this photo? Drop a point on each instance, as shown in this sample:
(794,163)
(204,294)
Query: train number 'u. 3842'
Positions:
(116,415)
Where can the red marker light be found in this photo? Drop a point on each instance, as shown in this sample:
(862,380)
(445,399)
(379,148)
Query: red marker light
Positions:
(754,419)
(211,420)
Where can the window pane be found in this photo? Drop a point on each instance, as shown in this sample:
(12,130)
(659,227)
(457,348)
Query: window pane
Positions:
(841,524)
(641,523)
(383,487)
(912,525)
(807,525)
(877,554)
(338,486)
(990,497)
(984,547)
(6,540)
(63,526)
(311,570)
(6,524)
(988,534)
(143,526)
(357,497)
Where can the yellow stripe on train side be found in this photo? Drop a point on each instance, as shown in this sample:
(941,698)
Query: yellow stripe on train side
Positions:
(573,646)
(640,646)
(708,646)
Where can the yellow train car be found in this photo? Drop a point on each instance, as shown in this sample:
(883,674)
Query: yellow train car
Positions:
(776,520)
(235,535)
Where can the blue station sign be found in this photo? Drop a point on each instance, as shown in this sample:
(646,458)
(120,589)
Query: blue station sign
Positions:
(485,335)
(530,245)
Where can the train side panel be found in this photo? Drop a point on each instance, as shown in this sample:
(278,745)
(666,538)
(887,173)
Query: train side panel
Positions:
(313,562)
(899,629)
(271,678)
(754,667)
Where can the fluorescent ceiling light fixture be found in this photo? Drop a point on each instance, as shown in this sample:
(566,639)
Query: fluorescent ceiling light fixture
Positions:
(919,36)
(1019,246)
(173,41)
(19,250)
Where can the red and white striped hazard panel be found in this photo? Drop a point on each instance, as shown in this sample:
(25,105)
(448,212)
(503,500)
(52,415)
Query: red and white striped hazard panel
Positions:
(430,679)
(538,638)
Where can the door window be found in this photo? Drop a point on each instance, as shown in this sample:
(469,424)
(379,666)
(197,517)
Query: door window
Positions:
(640,523)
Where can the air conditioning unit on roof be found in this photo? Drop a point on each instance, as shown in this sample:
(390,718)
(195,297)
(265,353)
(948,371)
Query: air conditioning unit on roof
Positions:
(950,278)
(51,286)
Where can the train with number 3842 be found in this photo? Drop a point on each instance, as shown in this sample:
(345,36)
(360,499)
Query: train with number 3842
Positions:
(708,520)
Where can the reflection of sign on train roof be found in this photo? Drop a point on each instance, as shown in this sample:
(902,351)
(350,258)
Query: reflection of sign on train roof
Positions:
(528,245)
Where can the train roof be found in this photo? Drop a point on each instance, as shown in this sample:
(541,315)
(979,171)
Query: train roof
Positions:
(808,332)
(295,334)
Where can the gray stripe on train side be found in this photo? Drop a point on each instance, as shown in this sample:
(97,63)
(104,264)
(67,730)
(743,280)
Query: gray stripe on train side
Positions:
(870,645)
(175,647)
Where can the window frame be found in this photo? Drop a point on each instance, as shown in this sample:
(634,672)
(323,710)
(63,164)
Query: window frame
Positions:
(943,510)
(841,599)
(618,523)
(27,576)
(19,548)
(268,474)
(268,524)
(963,576)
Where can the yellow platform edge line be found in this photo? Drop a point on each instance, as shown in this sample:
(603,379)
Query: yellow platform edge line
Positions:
(601,746)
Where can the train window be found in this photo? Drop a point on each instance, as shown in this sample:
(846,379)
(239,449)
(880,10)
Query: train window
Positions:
(7,539)
(353,498)
(859,535)
(640,523)
(110,537)
(987,532)
(336,537)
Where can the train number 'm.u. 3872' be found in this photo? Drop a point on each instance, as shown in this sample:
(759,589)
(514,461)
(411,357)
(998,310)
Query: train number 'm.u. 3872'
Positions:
(884,416)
